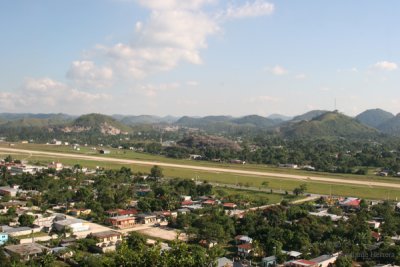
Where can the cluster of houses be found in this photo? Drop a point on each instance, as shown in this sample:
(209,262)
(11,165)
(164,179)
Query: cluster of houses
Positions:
(188,204)
(19,168)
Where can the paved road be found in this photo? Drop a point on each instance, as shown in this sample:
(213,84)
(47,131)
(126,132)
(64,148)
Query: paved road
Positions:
(208,169)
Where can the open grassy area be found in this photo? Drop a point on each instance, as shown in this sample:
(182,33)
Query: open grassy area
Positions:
(132,155)
(253,196)
(226,178)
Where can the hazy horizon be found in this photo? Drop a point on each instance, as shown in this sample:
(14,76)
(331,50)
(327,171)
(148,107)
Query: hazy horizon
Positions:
(199,57)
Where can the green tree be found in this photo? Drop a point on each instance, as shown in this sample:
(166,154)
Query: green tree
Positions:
(135,241)
(8,159)
(156,172)
(300,190)
(26,220)
(343,261)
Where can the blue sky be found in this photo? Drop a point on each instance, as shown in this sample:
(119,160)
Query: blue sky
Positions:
(199,57)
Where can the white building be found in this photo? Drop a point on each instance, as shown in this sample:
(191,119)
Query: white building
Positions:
(108,240)
(75,225)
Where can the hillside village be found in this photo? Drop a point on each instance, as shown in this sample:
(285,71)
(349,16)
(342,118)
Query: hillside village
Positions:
(69,216)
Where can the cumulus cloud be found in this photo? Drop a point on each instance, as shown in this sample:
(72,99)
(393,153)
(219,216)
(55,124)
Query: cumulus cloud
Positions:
(47,95)
(176,32)
(386,65)
(87,74)
(250,9)
(278,70)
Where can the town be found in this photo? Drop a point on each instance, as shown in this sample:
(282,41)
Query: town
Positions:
(58,215)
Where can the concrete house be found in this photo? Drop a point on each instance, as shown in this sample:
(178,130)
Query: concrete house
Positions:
(245,250)
(26,251)
(301,263)
(75,225)
(9,190)
(268,261)
(108,240)
(3,238)
(122,222)
(325,260)
(147,218)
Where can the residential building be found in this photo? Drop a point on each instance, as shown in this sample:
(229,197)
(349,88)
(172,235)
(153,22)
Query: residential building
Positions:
(75,225)
(243,239)
(301,263)
(324,213)
(9,190)
(268,261)
(325,260)
(121,212)
(108,240)
(244,250)
(292,254)
(374,224)
(209,202)
(122,222)
(78,212)
(3,238)
(146,218)
(21,169)
(229,206)
(58,166)
(26,251)
(350,203)
(19,231)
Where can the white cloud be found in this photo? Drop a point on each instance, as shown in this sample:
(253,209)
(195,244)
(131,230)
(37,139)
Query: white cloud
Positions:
(175,33)
(87,74)
(47,95)
(250,9)
(174,4)
(278,70)
(386,65)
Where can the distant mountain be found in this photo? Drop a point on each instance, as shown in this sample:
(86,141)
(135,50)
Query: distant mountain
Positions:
(144,119)
(309,115)
(229,125)
(374,117)
(279,117)
(391,126)
(49,116)
(256,121)
(196,122)
(13,120)
(104,124)
(329,124)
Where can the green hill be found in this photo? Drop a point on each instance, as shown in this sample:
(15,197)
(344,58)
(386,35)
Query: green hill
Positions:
(309,115)
(97,123)
(331,125)
(391,126)
(374,117)
(144,119)
(256,121)
(11,120)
